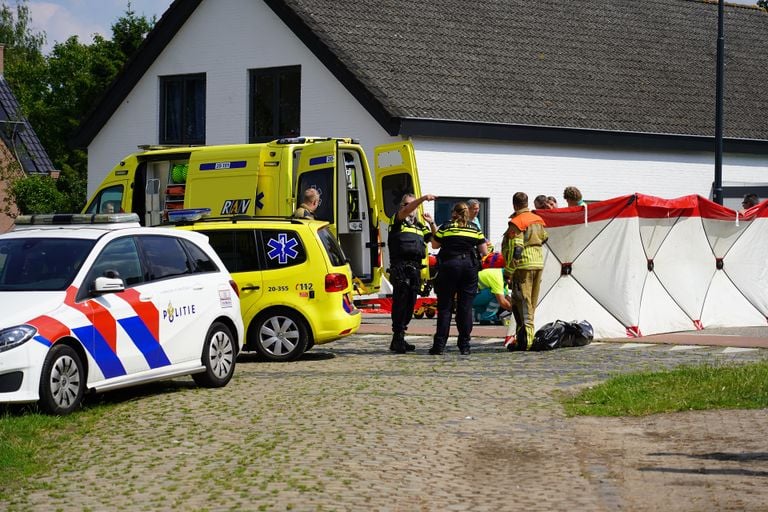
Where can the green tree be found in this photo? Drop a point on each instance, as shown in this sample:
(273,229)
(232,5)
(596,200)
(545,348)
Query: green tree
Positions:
(16,33)
(77,75)
(24,62)
(58,91)
(129,31)
(763,4)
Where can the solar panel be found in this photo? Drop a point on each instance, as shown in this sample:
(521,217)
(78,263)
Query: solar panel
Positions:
(19,136)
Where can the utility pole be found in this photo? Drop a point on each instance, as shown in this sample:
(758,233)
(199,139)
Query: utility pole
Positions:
(717,186)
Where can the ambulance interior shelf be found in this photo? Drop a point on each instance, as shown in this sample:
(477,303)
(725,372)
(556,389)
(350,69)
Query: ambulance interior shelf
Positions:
(177,183)
(351,170)
(159,178)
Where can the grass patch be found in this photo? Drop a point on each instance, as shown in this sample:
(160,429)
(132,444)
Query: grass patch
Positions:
(20,442)
(28,439)
(682,389)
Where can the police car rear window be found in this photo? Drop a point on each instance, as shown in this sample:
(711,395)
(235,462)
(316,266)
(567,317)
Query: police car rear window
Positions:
(41,264)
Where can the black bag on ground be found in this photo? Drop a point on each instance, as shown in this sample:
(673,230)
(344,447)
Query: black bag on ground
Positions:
(560,334)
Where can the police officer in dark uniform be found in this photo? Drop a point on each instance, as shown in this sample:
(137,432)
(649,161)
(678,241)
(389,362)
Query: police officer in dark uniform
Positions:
(461,246)
(407,248)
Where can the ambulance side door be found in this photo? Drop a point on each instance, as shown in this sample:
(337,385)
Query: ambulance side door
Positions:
(115,192)
(239,250)
(108,199)
(396,175)
(317,169)
(224,179)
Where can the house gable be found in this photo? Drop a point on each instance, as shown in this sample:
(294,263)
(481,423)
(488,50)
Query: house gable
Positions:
(625,71)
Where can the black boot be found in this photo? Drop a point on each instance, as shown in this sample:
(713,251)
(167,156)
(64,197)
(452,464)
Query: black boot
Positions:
(438,347)
(398,344)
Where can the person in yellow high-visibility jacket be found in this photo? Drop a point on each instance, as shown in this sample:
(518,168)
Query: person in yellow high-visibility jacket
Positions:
(524,265)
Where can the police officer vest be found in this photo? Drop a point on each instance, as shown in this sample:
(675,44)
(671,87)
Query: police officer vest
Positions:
(458,241)
(407,240)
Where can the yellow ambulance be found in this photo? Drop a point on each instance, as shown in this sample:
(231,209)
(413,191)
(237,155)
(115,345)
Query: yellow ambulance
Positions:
(268,179)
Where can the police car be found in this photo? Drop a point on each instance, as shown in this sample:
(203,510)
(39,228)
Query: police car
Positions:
(97,302)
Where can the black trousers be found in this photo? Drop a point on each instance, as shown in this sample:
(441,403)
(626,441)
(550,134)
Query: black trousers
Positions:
(456,284)
(405,278)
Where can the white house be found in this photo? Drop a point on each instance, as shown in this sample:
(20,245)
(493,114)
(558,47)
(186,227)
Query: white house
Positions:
(612,96)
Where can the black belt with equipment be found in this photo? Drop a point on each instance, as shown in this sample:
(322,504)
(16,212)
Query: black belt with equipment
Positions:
(456,257)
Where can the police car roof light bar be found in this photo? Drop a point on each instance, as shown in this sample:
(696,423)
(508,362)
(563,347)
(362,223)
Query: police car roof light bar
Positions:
(62,219)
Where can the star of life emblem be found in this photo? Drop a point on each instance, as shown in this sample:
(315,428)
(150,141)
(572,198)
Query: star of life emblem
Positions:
(282,248)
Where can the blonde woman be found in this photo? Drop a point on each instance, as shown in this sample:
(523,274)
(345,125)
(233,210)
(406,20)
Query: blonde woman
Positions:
(461,245)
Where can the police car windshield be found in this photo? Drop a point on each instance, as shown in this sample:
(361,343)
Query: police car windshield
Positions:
(41,264)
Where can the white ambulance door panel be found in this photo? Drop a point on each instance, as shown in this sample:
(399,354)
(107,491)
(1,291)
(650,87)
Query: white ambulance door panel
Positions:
(317,169)
(357,222)
(396,175)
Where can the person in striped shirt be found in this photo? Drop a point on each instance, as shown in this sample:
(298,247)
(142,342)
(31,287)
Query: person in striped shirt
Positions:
(524,266)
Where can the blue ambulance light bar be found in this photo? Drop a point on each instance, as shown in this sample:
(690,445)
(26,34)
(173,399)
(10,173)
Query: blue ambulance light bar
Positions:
(66,219)
(292,140)
(308,140)
(188,214)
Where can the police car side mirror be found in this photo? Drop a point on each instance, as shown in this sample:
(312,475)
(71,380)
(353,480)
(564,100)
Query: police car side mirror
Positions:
(108,285)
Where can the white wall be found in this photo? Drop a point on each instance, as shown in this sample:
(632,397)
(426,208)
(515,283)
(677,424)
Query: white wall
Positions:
(496,170)
(226,38)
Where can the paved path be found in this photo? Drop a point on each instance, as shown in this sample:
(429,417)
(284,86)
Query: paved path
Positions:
(352,427)
(748,337)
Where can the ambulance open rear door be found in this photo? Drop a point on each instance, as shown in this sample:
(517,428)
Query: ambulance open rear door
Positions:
(396,175)
(339,172)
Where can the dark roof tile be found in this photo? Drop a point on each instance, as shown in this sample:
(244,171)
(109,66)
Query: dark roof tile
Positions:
(619,65)
(18,135)
(635,66)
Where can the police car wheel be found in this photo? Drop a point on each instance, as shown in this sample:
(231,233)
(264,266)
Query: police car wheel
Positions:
(219,354)
(280,335)
(62,381)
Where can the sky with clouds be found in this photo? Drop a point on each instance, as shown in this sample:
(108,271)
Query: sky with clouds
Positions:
(60,19)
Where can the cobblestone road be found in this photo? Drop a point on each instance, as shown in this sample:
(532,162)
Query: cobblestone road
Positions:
(352,427)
